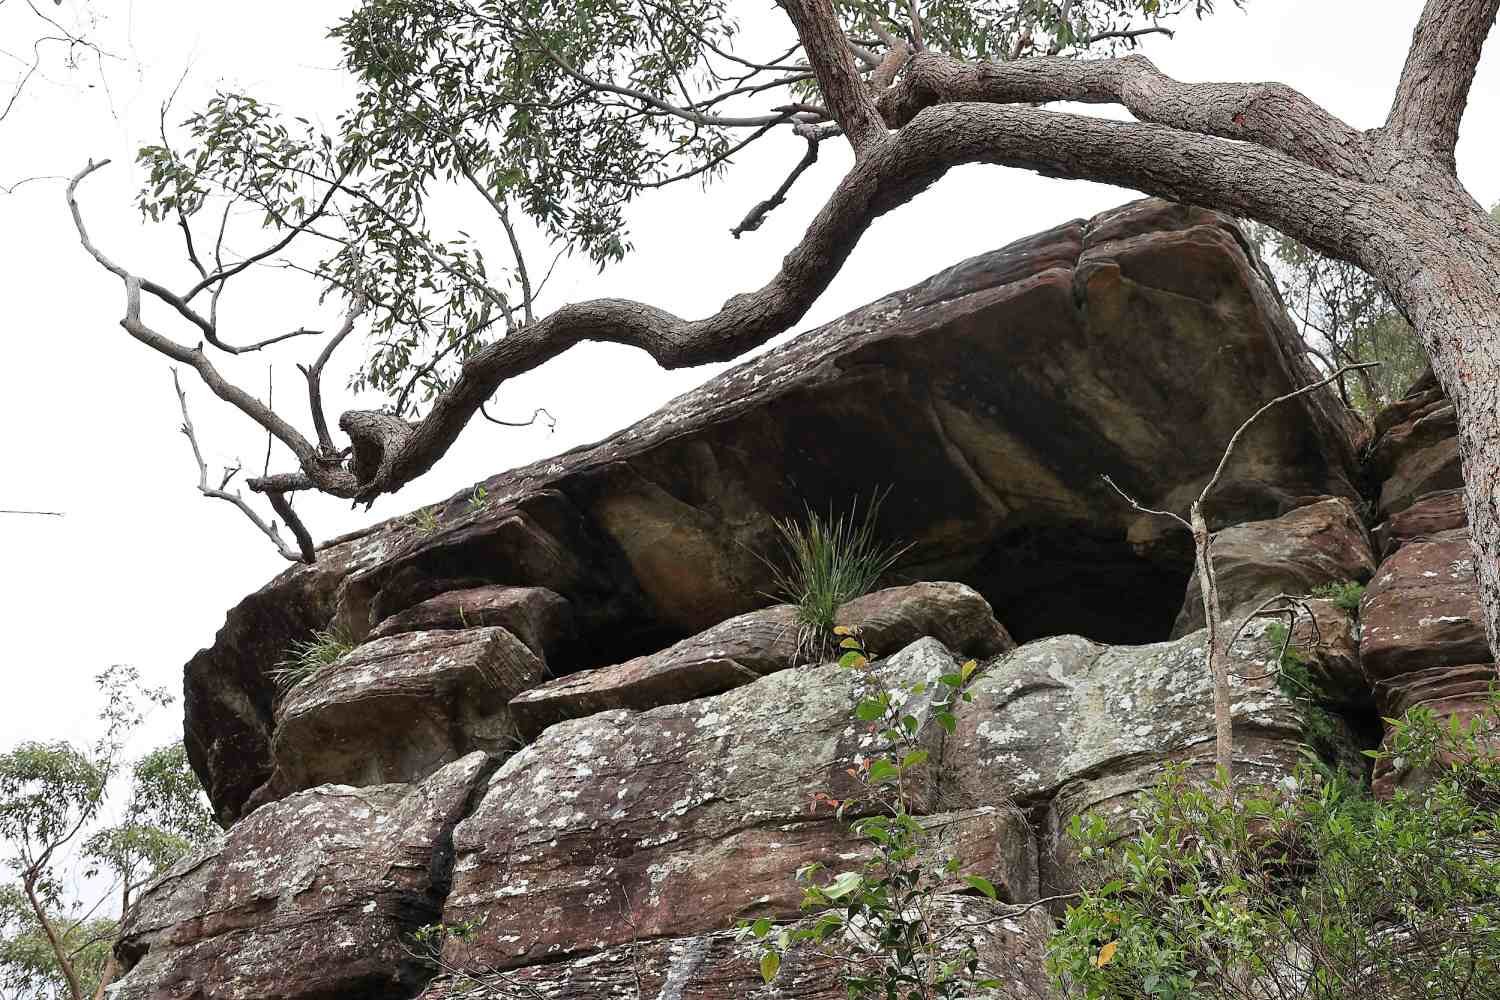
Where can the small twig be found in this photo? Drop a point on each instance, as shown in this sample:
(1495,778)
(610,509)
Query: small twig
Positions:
(757,215)
(1235,440)
(38,513)
(1145,510)
(270,388)
(538,412)
(219,493)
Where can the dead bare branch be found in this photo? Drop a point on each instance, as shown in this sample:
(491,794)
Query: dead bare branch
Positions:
(234,497)
(757,215)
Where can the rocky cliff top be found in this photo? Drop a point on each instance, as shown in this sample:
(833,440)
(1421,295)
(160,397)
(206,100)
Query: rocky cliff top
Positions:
(989,400)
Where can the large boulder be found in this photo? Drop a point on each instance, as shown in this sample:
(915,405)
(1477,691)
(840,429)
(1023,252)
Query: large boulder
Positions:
(1422,611)
(751,645)
(632,826)
(310,898)
(396,709)
(720,965)
(1066,726)
(1415,452)
(538,617)
(1321,543)
(994,394)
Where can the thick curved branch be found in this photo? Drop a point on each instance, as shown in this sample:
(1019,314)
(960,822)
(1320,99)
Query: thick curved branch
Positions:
(1434,87)
(1235,177)
(1272,115)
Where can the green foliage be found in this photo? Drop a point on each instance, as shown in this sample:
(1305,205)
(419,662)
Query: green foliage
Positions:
(479,499)
(830,561)
(561,111)
(1318,892)
(53,799)
(1346,317)
(310,655)
(425,521)
(1346,595)
(882,919)
(1295,679)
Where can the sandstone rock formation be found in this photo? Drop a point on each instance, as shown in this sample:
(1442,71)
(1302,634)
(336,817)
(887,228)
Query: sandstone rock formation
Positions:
(311,897)
(761,642)
(571,725)
(988,399)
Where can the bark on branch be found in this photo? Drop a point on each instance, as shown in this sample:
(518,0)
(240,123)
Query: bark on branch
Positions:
(1271,115)
(221,492)
(1434,87)
(844,90)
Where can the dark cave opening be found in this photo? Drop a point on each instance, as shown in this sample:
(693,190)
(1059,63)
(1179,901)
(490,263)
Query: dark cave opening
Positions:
(1066,582)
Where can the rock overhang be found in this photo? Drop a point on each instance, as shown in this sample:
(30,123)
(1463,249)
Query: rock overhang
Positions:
(988,400)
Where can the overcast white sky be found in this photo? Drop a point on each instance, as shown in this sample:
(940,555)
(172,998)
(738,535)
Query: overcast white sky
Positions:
(142,569)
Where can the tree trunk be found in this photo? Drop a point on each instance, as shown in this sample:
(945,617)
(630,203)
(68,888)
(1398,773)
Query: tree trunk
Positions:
(1441,263)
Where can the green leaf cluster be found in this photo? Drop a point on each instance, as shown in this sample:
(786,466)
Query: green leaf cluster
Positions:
(1318,892)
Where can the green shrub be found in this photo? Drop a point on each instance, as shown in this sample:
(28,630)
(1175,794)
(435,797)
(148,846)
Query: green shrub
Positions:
(1317,892)
(1346,595)
(306,657)
(830,561)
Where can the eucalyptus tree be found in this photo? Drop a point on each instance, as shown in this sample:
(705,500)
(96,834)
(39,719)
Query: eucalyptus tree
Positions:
(564,110)
(1346,318)
(60,833)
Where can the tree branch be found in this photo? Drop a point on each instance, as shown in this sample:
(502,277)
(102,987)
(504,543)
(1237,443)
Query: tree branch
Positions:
(1434,87)
(757,215)
(220,493)
(1269,114)
(843,88)
(325,476)
(1161,161)
(314,376)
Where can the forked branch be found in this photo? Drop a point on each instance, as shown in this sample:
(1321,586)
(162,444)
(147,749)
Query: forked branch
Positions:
(305,551)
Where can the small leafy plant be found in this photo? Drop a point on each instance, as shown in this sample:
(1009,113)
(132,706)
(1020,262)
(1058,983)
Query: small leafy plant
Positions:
(883,918)
(1346,594)
(424,520)
(830,561)
(308,656)
(479,499)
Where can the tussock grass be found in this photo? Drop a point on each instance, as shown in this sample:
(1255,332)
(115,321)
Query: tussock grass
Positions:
(305,658)
(829,561)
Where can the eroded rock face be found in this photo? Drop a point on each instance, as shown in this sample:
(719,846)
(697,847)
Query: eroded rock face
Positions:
(995,394)
(1321,543)
(1416,450)
(396,709)
(748,646)
(717,966)
(1422,611)
(1058,709)
(629,826)
(538,617)
(309,898)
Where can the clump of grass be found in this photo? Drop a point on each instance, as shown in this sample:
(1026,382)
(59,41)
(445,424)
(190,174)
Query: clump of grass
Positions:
(828,561)
(306,657)
(1346,594)
(479,499)
(425,521)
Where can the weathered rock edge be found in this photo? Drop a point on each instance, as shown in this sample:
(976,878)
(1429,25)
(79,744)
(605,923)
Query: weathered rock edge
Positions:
(995,394)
